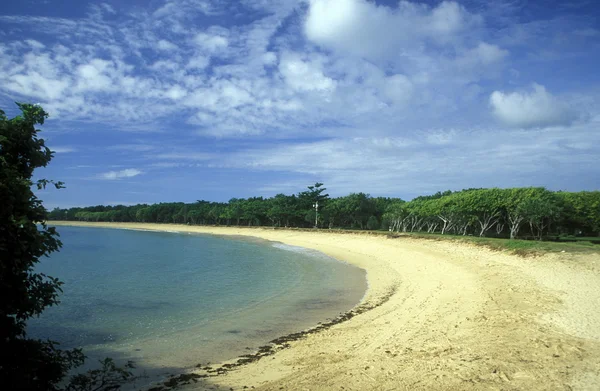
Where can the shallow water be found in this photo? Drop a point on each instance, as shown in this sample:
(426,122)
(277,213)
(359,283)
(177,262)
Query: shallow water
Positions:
(169,301)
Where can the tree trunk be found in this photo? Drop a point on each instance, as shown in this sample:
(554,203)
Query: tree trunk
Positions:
(445,221)
(487,223)
(431,227)
(515,224)
(499,228)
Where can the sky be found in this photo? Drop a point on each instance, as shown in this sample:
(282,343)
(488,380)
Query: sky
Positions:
(181,100)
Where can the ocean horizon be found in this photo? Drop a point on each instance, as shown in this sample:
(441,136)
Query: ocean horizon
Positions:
(170,301)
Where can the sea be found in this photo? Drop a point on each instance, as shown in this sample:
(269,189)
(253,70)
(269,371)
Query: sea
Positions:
(169,301)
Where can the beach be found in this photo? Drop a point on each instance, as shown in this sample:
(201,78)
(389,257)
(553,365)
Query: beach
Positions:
(437,315)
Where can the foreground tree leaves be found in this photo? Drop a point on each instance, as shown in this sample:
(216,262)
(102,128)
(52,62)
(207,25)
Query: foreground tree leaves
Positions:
(28,364)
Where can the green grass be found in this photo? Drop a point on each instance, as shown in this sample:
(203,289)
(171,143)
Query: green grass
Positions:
(580,238)
(516,246)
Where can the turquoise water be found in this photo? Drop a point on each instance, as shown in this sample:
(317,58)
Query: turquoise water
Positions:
(170,301)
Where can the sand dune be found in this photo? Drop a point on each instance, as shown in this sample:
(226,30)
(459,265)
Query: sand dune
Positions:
(460,318)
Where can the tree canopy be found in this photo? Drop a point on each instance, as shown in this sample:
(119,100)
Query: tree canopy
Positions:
(531,212)
(26,363)
(32,364)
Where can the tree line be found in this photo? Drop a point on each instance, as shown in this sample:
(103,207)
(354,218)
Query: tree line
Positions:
(532,212)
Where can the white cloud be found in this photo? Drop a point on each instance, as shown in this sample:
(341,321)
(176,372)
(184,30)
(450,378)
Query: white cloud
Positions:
(198,62)
(449,17)
(484,54)
(183,156)
(35,44)
(132,147)
(304,75)
(95,76)
(36,85)
(211,43)
(108,8)
(165,45)
(114,175)
(537,108)
(366,29)
(63,149)
(269,58)
(176,92)
(398,88)
(489,54)
(432,160)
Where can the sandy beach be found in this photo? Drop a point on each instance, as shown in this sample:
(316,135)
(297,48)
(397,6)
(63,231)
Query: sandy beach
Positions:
(446,316)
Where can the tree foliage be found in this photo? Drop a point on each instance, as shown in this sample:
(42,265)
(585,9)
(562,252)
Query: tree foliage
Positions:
(30,364)
(25,363)
(531,212)
(500,212)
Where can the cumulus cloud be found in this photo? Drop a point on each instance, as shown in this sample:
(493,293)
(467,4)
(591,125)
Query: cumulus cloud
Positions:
(114,175)
(363,28)
(535,108)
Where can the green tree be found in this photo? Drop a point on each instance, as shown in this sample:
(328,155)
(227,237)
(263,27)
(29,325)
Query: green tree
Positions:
(541,210)
(358,207)
(527,205)
(396,215)
(513,204)
(448,210)
(372,223)
(235,210)
(483,206)
(581,212)
(281,209)
(25,363)
(333,213)
(310,198)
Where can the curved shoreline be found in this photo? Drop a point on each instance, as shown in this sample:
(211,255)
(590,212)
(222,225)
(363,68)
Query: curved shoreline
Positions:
(459,317)
(271,347)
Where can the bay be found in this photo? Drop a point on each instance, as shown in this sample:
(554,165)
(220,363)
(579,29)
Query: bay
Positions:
(170,301)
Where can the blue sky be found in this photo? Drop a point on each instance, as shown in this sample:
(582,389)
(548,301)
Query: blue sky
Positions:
(179,100)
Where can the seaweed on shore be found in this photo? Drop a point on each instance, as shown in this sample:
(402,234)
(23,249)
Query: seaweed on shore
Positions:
(273,347)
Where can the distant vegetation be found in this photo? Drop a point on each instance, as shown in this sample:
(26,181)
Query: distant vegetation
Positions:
(531,213)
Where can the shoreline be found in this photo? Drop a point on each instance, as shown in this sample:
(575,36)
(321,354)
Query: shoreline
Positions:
(269,347)
(455,317)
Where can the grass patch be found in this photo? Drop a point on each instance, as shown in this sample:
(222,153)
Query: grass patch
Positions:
(515,246)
